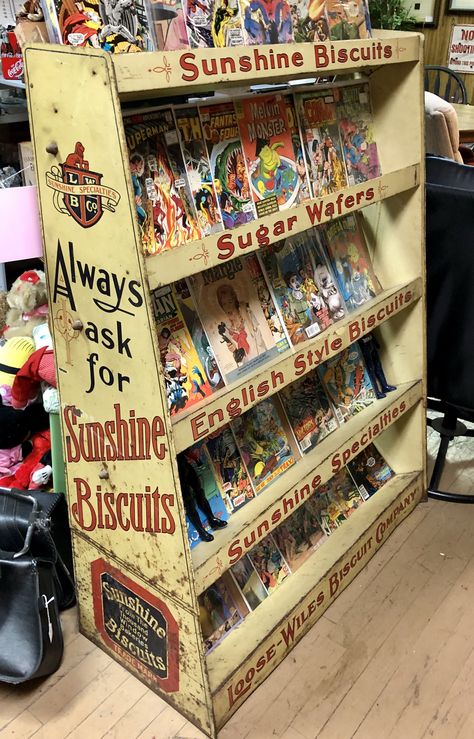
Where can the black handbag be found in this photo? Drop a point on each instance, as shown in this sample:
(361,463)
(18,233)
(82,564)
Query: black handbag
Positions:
(35,582)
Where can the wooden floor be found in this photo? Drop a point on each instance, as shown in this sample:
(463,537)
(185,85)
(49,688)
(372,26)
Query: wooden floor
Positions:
(392,657)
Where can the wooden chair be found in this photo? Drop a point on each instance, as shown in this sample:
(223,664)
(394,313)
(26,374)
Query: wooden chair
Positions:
(445,83)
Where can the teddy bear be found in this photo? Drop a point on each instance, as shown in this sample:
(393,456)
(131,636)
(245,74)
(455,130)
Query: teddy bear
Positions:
(28,301)
(3,312)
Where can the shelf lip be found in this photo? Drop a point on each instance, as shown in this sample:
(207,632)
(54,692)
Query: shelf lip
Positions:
(195,256)
(305,595)
(194,70)
(218,410)
(254,520)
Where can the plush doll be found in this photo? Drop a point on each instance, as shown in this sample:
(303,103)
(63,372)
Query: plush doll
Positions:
(3,312)
(28,301)
(13,355)
(32,472)
(26,385)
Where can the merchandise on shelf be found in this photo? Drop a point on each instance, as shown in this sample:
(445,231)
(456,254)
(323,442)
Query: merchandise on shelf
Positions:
(167,24)
(229,468)
(370,471)
(27,163)
(219,611)
(267,22)
(27,299)
(269,563)
(213,23)
(309,21)
(249,583)
(299,535)
(347,383)
(356,125)
(369,347)
(348,19)
(304,191)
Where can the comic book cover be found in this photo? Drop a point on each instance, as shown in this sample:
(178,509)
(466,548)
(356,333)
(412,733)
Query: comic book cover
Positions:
(198,335)
(198,169)
(269,563)
(198,14)
(309,411)
(228,170)
(214,23)
(247,579)
(309,21)
(264,443)
(266,301)
(266,22)
(320,132)
(370,471)
(119,26)
(350,260)
(268,149)
(164,213)
(348,19)
(207,500)
(356,126)
(304,192)
(233,318)
(299,535)
(218,611)
(342,490)
(347,383)
(229,469)
(168,24)
(185,377)
(303,287)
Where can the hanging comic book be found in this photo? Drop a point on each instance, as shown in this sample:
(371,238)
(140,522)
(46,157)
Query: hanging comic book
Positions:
(304,192)
(320,132)
(198,14)
(302,284)
(168,24)
(264,443)
(185,377)
(233,318)
(309,21)
(250,584)
(269,563)
(229,468)
(198,169)
(227,162)
(227,28)
(348,19)
(350,261)
(198,335)
(268,149)
(163,205)
(347,382)
(309,411)
(370,471)
(218,612)
(356,126)
(267,22)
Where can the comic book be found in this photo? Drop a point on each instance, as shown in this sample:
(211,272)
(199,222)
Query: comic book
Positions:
(309,411)
(347,383)
(356,126)
(228,170)
(299,535)
(309,21)
(27,163)
(370,471)
(302,284)
(320,132)
(118,27)
(213,23)
(198,169)
(198,335)
(164,211)
(229,469)
(266,22)
(264,439)
(269,563)
(185,378)
(197,457)
(168,24)
(233,318)
(198,15)
(268,149)
(266,301)
(247,579)
(218,611)
(348,19)
(342,490)
(304,192)
(350,260)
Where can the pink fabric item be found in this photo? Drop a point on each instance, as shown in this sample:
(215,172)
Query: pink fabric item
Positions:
(10,460)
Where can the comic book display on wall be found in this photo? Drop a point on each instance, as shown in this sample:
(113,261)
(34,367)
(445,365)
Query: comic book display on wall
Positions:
(299,535)
(269,563)
(347,382)
(185,378)
(370,471)
(266,22)
(263,437)
(309,21)
(229,469)
(233,318)
(302,285)
(250,584)
(168,24)
(320,131)
(198,169)
(164,209)
(269,154)
(350,261)
(309,411)
(348,19)
(356,125)
(227,162)
(304,191)
(218,611)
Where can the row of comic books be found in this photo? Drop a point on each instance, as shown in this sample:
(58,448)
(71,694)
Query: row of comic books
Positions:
(227,321)
(197,170)
(259,573)
(238,462)
(125,26)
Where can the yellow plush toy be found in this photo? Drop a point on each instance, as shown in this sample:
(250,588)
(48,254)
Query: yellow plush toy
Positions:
(28,302)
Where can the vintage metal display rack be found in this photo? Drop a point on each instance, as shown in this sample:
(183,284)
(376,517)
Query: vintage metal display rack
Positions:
(137,580)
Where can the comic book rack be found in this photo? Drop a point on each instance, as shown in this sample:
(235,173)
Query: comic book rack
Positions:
(137,582)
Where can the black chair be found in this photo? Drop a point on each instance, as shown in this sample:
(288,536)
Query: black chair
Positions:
(445,83)
(450,306)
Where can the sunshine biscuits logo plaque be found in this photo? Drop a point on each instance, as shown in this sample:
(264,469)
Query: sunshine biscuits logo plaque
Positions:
(78,190)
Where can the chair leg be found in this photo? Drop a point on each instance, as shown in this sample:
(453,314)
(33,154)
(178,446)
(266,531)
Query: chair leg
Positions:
(448,428)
